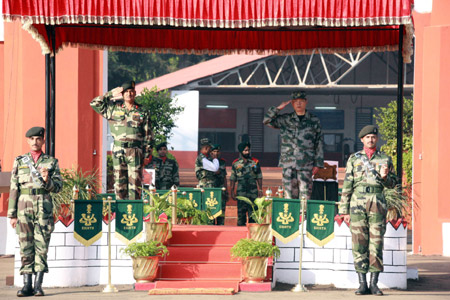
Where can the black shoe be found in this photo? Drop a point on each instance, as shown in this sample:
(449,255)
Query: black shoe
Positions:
(363,289)
(373,284)
(38,284)
(27,289)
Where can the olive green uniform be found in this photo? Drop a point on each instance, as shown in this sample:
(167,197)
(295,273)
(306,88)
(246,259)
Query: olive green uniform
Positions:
(31,204)
(131,130)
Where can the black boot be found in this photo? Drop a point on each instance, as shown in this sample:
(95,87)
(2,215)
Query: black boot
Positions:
(363,289)
(27,289)
(38,284)
(373,284)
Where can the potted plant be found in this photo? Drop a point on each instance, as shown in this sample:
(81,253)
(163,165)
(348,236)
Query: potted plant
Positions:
(74,177)
(396,202)
(254,256)
(145,257)
(154,228)
(260,230)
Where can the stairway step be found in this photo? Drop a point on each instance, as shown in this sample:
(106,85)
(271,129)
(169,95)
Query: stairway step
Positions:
(198,254)
(200,271)
(182,284)
(207,235)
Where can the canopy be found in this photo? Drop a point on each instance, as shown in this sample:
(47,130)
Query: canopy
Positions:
(216,26)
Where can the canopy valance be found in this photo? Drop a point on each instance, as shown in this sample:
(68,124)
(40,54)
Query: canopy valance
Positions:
(216,26)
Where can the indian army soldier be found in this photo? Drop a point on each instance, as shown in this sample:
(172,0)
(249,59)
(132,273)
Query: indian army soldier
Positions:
(246,171)
(34,175)
(368,172)
(206,168)
(168,169)
(301,144)
(131,129)
(220,180)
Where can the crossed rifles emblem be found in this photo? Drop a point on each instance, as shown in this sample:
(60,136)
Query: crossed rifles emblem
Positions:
(129,219)
(88,218)
(320,219)
(284,217)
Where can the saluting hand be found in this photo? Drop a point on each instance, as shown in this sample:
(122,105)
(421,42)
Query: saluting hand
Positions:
(44,174)
(117,93)
(384,171)
(284,104)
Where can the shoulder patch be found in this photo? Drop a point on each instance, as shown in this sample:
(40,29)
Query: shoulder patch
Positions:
(234,161)
(255,160)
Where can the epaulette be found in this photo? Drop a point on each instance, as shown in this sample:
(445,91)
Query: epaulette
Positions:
(255,160)
(235,161)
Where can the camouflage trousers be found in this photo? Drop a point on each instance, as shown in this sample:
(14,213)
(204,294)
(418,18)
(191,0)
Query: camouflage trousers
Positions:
(35,224)
(297,183)
(127,165)
(244,209)
(368,225)
(221,220)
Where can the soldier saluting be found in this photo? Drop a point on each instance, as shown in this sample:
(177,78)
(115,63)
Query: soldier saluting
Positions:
(368,172)
(301,144)
(131,129)
(33,176)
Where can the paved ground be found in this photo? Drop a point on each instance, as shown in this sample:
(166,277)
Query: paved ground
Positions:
(433,283)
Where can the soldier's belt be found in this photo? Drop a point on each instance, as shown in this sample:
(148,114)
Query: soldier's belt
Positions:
(27,191)
(134,144)
(369,189)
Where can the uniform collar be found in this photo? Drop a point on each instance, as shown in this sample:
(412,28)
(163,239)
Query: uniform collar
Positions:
(306,116)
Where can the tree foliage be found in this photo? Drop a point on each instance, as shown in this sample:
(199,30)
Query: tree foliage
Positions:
(163,111)
(126,66)
(386,119)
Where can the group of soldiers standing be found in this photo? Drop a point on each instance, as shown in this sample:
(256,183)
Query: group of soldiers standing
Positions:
(35,175)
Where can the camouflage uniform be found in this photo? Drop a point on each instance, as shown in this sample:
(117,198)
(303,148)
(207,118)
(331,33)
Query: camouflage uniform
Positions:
(167,175)
(131,130)
(220,181)
(301,148)
(31,204)
(205,178)
(246,173)
(363,199)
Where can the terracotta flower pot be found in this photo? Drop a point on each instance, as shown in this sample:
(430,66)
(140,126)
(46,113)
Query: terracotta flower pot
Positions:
(156,232)
(254,269)
(145,268)
(260,232)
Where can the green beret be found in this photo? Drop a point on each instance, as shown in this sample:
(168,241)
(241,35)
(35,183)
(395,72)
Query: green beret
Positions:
(242,146)
(298,95)
(369,129)
(204,142)
(35,131)
(215,147)
(128,85)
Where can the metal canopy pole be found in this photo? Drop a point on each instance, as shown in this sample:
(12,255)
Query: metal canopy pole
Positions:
(400,106)
(50,77)
(47,104)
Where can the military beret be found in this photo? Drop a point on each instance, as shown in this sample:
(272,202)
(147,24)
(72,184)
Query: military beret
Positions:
(35,131)
(204,142)
(128,85)
(242,146)
(298,95)
(160,145)
(215,147)
(369,129)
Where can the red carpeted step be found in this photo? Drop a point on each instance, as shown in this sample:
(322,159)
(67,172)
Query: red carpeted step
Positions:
(207,235)
(198,254)
(200,271)
(175,284)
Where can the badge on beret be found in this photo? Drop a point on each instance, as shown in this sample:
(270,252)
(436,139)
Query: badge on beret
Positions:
(369,129)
